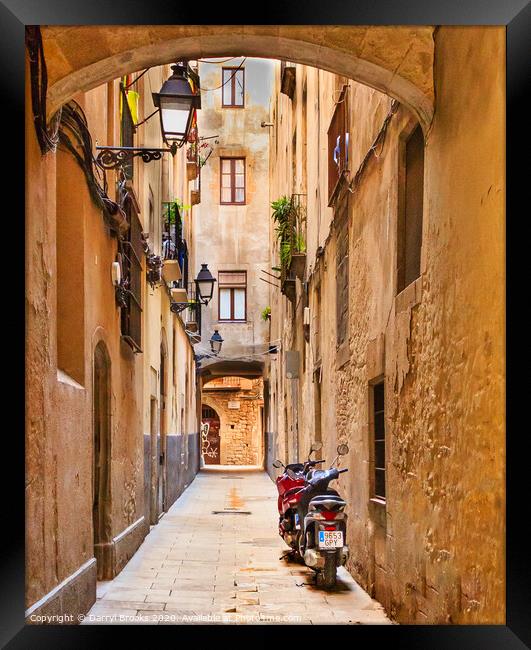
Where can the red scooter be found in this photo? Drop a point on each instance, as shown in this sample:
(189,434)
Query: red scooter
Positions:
(290,485)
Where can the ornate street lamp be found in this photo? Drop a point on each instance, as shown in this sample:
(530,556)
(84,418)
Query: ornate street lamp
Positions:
(216,342)
(205,285)
(177,101)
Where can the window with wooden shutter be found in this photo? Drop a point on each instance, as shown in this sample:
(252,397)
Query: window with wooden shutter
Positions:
(132,250)
(409,240)
(338,141)
(342,278)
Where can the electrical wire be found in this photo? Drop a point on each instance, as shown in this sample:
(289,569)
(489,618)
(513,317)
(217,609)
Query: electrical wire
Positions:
(217,62)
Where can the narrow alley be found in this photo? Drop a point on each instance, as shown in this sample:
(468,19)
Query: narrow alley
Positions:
(265,294)
(215,557)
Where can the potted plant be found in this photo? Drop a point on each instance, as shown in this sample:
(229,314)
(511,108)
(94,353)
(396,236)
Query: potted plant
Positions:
(298,256)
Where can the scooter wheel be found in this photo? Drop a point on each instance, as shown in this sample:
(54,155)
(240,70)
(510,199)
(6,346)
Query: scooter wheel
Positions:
(328,575)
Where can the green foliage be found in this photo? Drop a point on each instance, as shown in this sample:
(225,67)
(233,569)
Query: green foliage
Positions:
(300,244)
(266,313)
(175,205)
(285,216)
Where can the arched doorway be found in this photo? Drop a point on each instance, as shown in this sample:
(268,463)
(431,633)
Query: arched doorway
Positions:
(101,461)
(211,442)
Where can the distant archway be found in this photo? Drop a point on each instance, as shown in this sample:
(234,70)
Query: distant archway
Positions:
(396,60)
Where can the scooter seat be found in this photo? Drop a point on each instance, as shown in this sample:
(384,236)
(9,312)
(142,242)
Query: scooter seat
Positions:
(327,497)
(292,491)
(328,501)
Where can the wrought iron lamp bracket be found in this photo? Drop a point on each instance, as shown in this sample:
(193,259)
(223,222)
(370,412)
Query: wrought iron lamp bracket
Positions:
(178,307)
(114,157)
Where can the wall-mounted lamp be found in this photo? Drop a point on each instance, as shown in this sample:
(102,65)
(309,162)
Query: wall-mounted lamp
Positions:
(205,285)
(176,102)
(216,342)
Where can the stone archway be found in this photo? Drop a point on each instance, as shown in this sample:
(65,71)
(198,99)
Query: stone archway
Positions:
(396,60)
(237,402)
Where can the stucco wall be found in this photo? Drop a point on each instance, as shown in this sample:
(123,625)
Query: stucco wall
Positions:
(235,237)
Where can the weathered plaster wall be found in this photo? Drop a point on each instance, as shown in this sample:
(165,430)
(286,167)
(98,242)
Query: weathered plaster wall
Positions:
(434,551)
(240,428)
(235,237)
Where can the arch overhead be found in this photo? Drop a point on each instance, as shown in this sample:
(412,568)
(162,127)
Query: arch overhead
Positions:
(396,60)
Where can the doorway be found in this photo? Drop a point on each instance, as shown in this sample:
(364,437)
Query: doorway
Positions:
(101,459)
(161,488)
(155,438)
(211,444)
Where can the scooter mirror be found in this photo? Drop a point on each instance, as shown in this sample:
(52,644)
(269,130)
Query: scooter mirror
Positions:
(278,464)
(342,449)
(316,446)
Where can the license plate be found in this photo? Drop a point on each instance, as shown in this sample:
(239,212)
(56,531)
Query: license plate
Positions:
(330,539)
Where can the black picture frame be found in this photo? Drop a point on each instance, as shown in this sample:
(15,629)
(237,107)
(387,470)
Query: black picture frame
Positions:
(516,16)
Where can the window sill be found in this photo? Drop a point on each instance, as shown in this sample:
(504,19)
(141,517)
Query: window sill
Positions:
(378,511)
(409,296)
(342,355)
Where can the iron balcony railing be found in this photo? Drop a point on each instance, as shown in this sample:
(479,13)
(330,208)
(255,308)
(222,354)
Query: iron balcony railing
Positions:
(174,245)
(298,223)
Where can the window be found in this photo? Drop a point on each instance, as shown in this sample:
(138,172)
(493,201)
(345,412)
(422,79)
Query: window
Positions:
(232,180)
(131,252)
(342,277)
(410,210)
(338,138)
(232,295)
(378,431)
(233,87)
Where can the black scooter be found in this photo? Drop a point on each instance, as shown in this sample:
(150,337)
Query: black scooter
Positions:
(323,522)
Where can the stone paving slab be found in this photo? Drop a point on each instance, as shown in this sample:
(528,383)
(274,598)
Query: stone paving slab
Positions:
(196,567)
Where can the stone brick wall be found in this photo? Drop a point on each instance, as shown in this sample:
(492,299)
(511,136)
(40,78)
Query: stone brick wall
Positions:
(240,428)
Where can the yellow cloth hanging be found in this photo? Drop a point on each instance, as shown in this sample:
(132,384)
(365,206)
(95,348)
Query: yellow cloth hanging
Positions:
(132,101)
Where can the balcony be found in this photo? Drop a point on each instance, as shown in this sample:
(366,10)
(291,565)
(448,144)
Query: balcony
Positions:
(297,263)
(174,249)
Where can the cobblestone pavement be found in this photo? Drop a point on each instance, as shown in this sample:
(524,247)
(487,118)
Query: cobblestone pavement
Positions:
(215,557)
